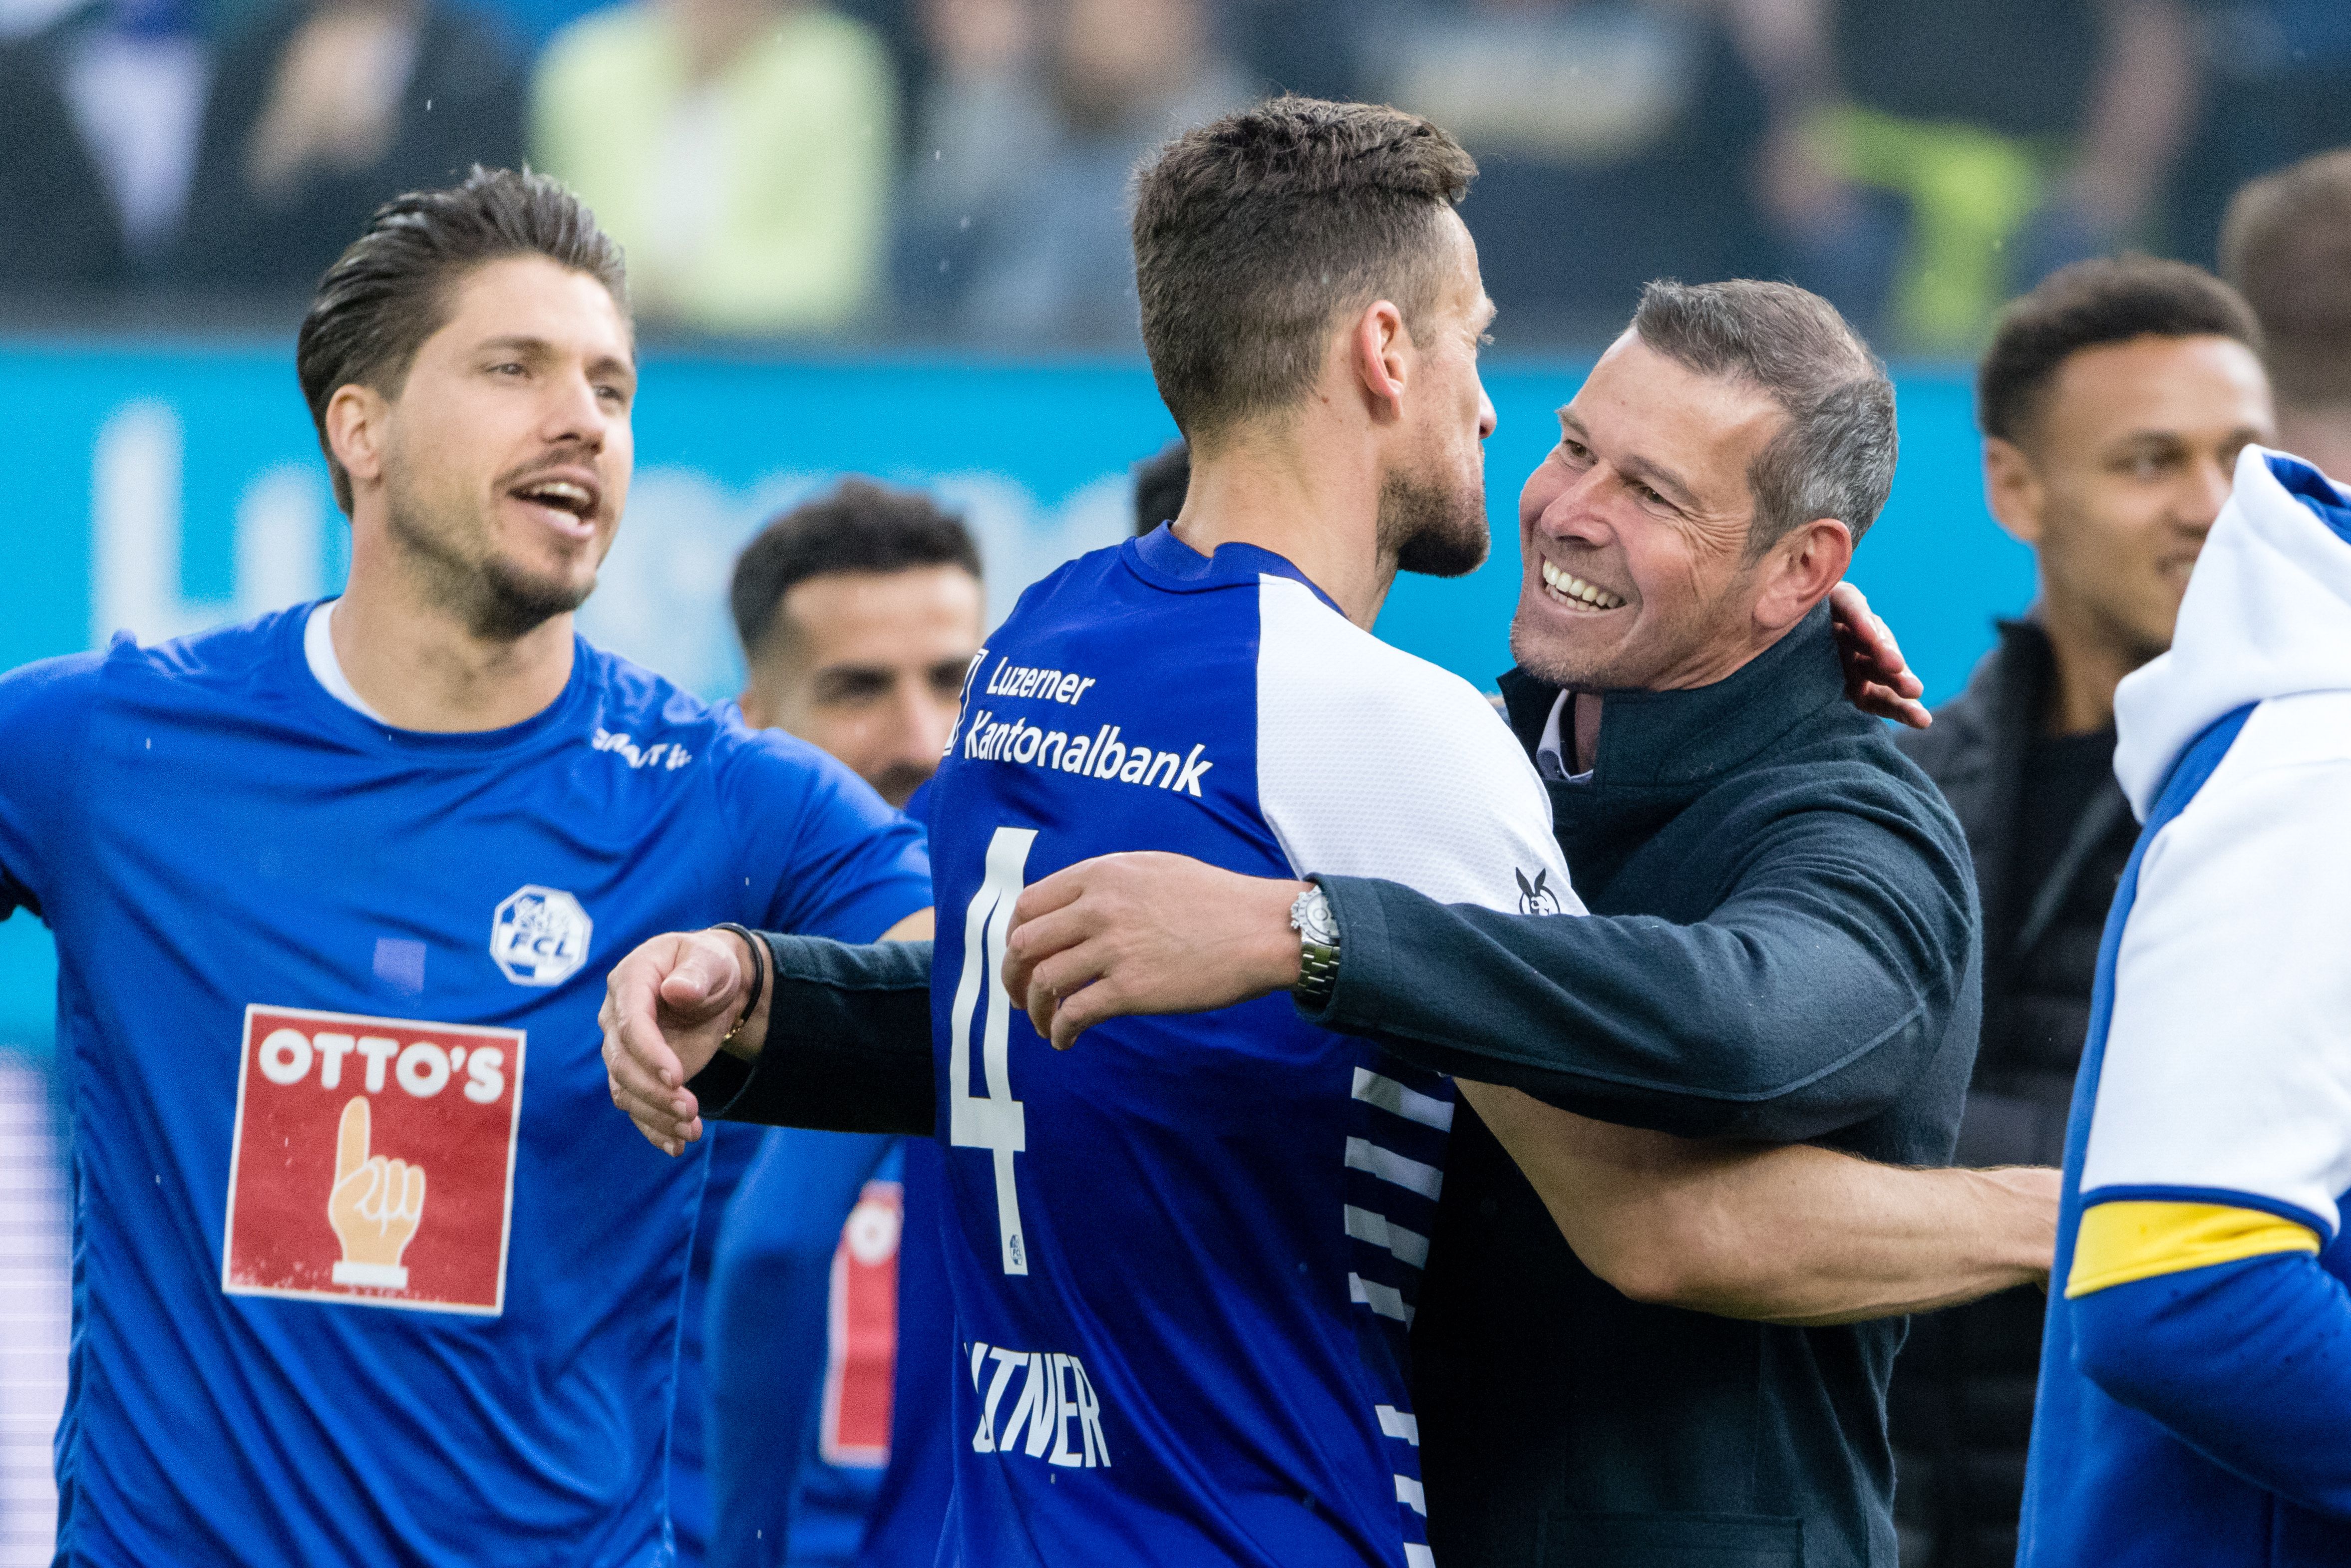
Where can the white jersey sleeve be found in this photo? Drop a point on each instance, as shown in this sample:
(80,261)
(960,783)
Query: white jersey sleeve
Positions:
(2227,1061)
(1373,763)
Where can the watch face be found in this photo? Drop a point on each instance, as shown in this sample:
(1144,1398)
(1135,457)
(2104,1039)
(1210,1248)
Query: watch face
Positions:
(1312,915)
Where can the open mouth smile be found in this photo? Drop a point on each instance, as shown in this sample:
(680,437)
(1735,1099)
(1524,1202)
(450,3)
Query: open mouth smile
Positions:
(573,501)
(1566,588)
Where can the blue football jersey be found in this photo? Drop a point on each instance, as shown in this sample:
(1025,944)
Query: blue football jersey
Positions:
(1183,1254)
(368,1269)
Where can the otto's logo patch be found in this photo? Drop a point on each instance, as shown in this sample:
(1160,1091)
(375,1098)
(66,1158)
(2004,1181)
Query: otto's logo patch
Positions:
(540,935)
(1536,897)
(374,1161)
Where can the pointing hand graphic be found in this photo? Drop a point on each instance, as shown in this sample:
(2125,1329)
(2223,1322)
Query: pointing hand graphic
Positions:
(375,1207)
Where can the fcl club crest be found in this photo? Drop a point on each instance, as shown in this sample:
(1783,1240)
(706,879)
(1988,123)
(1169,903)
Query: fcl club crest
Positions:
(540,935)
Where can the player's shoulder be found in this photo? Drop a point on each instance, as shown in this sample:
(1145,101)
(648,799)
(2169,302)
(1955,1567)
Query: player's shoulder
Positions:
(40,700)
(1316,666)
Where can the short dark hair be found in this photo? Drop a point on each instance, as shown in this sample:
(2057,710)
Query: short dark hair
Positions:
(1834,458)
(390,290)
(1161,482)
(858,526)
(2286,245)
(1252,233)
(2107,300)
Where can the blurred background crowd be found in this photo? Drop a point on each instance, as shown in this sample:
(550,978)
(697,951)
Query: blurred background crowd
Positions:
(953,171)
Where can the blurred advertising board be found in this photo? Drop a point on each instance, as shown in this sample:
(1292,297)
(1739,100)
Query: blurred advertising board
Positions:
(165,487)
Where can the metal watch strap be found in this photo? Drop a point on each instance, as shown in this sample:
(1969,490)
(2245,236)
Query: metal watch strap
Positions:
(1318,948)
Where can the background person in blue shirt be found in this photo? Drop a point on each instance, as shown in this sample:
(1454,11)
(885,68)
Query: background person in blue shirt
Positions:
(365,1271)
(858,613)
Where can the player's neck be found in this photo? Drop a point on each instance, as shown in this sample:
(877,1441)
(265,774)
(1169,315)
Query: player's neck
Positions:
(1314,503)
(420,667)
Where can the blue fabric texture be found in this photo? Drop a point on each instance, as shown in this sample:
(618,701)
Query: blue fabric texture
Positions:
(207,831)
(1135,1383)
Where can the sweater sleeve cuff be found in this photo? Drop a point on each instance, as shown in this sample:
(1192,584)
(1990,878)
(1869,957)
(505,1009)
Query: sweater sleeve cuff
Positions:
(1365,956)
(848,1047)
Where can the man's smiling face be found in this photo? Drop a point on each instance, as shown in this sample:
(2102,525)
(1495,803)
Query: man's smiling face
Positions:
(1634,530)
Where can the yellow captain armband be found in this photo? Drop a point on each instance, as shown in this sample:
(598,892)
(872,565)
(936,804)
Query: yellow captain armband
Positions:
(2134,1239)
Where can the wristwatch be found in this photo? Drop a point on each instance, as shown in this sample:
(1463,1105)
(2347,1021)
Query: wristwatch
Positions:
(1318,948)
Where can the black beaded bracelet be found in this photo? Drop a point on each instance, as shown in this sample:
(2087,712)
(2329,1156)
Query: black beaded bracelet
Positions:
(759,961)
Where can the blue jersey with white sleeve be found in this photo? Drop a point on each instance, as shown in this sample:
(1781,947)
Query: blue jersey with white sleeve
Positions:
(1185,1254)
(367,1270)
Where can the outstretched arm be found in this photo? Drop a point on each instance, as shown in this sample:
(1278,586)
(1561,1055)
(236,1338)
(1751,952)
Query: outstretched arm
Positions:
(851,1053)
(1787,1234)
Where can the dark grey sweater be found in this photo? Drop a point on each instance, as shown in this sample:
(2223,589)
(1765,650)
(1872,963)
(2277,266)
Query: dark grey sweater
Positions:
(1785,947)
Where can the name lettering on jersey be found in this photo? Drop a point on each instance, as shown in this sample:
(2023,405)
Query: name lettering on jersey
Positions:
(372,1160)
(1104,754)
(1052,1414)
(1011,680)
(539,935)
(664,754)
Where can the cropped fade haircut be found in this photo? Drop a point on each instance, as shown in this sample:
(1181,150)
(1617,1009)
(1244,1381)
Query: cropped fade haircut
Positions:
(2286,245)
(1834,458)
(2107,300)
(390,291)
(1253,234)
(858,526)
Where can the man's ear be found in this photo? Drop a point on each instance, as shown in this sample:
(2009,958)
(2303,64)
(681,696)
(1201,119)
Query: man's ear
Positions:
(1378,353)
(354,424)
(2012,489)
(754,704)
(1799,571)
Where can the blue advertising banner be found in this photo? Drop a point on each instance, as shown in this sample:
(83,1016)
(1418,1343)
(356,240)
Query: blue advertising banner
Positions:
(165,489)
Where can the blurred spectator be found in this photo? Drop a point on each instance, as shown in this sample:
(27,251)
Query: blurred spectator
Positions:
(1928,157)
(983,124)
(2114,402)
(2288,247)
(1053,262)
(740,150)
(99,114)
(1161,482)
(322,111)
(2277,87)
(1611,137)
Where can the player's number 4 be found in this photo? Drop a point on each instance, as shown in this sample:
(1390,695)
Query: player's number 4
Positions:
(994,1121)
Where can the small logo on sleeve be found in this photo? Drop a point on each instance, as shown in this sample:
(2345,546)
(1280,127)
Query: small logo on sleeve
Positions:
(540,935)
(372,1160)
(1536,897)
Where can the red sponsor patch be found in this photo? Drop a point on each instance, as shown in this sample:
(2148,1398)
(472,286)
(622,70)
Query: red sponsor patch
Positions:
(864,1352)
(374,1161)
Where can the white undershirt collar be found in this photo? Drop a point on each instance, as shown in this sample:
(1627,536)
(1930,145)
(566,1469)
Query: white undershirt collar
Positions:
(1550,752)
(318,650)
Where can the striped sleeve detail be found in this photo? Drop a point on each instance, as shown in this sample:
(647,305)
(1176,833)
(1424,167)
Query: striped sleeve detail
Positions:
(1377,1089)
(2136,1238)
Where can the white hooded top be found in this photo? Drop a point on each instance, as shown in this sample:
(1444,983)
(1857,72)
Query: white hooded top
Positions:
(2268,614)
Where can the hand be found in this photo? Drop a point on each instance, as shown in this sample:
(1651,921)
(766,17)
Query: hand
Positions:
(1145,933)
(1876,681)
(375,1207)
(667,1005)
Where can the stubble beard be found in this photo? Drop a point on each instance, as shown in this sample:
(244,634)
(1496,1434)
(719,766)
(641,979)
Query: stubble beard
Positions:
(492,597)
(1432,530)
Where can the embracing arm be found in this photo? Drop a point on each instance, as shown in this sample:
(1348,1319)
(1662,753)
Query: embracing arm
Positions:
(838,1037)
(1793,1234)
(1811,999)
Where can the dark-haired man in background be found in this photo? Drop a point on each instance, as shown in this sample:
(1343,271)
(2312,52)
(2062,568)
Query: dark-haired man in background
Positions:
(344,1292)
(858,613)
(2113,401)
(829,1336)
